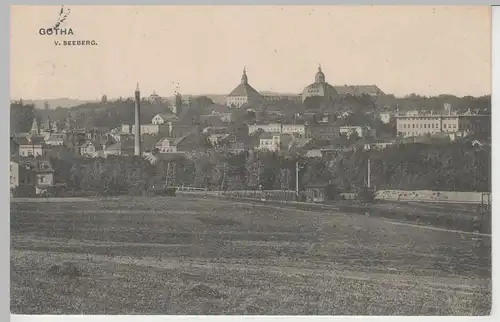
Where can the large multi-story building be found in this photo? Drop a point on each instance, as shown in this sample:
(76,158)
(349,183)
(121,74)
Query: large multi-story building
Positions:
(324,131)
(359,90)
(417,125)
(243,94)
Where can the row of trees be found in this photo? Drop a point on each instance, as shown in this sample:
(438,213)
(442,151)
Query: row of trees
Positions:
(409,167)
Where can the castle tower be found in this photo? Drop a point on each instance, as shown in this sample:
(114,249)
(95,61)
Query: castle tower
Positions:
(137,128)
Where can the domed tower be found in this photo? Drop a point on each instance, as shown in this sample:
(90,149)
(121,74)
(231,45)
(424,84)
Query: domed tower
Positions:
(243,94)
(320,77)
(322,93)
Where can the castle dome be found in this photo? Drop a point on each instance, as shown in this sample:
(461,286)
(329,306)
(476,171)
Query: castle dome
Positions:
(319,88)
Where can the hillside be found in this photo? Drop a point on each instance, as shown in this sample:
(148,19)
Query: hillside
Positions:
(57,102)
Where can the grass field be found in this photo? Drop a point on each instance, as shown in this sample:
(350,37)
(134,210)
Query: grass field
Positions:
(182,255)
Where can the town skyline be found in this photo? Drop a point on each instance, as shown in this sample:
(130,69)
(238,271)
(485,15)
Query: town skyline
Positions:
(435,49)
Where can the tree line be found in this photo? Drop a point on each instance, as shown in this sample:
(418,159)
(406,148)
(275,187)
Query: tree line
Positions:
(451,167)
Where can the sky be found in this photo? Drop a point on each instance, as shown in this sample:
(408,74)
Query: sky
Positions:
(402,49)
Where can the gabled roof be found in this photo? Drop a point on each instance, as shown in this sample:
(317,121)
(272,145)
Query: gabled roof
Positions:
(168,116)
(244,90)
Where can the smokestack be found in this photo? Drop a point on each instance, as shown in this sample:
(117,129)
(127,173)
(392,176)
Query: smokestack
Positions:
(137,134)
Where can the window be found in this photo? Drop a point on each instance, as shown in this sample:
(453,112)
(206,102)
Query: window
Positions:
(444,126)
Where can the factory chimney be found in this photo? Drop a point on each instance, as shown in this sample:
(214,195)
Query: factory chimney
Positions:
(137,128)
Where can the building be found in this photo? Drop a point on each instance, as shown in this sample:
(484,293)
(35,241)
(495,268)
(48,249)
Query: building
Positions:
(320,89)
(164,118)
(323,131)
(56,139)
(155,98)
(270,142)
(122,148)
(223,112)
(32,172)
(32,146)
(418,125)
(281,97)
(163,129)
(243,94)
(363,131)
(176,145)
(270,128)
(91,149)
(294,129)
(359,90)
(221,139)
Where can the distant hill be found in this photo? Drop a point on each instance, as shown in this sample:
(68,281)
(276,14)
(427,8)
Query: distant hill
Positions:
(55,103)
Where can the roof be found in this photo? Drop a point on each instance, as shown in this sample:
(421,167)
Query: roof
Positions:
(168,116)
(172,141)
(316,153)
(122,145)
(358,89)
(34,140)
(299,142)
(244,90)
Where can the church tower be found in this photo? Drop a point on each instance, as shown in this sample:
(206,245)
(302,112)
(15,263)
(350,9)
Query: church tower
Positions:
(244,78)
(34,128)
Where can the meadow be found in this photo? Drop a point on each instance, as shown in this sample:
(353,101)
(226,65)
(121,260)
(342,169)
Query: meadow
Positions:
(186,255)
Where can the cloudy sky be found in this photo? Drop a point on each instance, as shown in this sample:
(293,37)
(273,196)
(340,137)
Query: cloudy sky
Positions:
(402,49)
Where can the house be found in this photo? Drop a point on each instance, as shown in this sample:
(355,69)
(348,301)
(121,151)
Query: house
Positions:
(164,118)
(323,131)
(91,148)
(378,146)
(270,128)
(221,139)
(56,139)
(121,148)
(363,131)
(270,142)
(296,129)
(166,145)
(175,145)
(223,112)
(32,172)
(32,146)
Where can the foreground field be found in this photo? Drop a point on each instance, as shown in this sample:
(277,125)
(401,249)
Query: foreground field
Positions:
(201,256)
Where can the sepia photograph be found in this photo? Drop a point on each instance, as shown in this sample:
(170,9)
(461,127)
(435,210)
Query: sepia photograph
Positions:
(250,160)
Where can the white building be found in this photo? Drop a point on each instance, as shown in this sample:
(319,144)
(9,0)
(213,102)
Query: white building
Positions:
(270,142)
